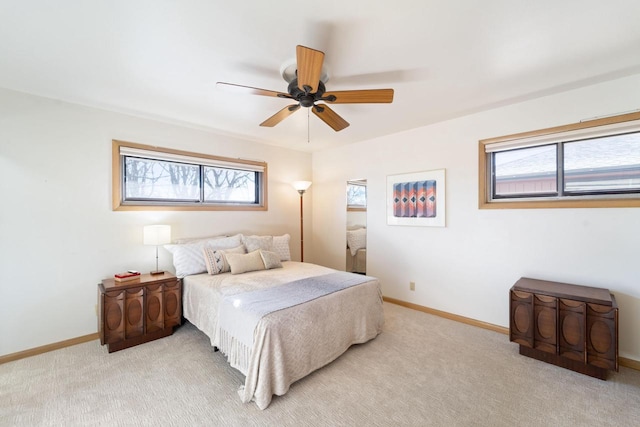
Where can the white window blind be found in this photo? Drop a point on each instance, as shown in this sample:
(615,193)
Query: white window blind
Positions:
(170,157)
(587,133)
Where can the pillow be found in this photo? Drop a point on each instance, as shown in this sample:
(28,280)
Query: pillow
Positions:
(253,243)
(281,247)
(356,239)
(216,260)
(242,263)
(225,242)
(270,259)
(188,259)
(195,239)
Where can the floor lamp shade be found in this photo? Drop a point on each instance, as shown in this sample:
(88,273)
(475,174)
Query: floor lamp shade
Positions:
(155,235)
(301,185)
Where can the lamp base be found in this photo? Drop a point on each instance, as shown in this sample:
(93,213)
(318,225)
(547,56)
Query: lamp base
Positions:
(156,272)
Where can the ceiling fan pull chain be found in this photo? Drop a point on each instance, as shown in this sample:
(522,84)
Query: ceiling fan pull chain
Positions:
(308,138)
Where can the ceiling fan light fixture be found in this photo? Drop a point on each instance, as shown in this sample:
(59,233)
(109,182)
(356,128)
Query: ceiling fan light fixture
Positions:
(289,69)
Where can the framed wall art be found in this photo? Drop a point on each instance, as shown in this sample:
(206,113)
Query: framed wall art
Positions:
(416,199)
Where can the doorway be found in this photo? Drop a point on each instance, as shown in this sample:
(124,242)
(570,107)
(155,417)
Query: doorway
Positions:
(356,253)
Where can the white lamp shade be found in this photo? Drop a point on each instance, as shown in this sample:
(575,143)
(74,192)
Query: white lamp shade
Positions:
(156,234)
(301,185)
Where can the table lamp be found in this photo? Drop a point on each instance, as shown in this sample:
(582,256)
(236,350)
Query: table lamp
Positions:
(156,235)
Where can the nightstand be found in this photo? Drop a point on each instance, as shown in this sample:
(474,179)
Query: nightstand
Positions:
(139,310)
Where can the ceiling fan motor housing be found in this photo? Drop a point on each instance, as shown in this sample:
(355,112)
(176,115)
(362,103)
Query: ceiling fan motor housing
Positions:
(305,99)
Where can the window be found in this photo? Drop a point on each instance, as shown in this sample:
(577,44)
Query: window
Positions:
(157,178)
(356,195)
(589,164)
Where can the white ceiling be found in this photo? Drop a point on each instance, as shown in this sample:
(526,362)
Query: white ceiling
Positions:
(162,59)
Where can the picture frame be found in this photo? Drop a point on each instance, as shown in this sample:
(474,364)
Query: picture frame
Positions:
(417,199)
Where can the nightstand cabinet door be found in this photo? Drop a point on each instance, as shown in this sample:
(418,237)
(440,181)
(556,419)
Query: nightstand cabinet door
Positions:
(521,322)
(154,308)
(545,308)
(134,326)
(572,321)
(602,349)
(113,312)
(172,304)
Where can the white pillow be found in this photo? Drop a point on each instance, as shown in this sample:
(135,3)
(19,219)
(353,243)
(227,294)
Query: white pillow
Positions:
(195,239)
(253,243)
(281,247)
(216,260)
(356,239)
(242,263)
(270,259)
(188,259)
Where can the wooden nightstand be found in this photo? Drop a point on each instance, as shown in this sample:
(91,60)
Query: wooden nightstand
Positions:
(138,311)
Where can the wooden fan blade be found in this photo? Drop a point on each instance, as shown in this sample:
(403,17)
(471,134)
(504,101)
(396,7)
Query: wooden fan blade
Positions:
(248,90)
(309,63)
(280,115)
(368,96)
(330,117)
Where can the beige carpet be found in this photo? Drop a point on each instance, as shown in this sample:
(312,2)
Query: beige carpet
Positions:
(422,370)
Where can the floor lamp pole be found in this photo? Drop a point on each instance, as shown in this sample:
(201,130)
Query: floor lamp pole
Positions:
(301,187)
(301,228)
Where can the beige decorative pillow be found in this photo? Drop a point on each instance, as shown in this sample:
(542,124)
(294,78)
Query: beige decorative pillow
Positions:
(270,259)
(281,247)
(253,243)
(216,260)
(242,263)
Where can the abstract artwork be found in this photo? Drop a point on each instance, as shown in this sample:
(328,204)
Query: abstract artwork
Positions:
(416,199)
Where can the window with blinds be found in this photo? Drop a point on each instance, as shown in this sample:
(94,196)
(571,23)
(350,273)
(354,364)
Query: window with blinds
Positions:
(594,163)
(151,177)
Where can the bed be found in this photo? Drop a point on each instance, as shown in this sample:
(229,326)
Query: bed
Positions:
(357,250)
(357,263)
(275,349)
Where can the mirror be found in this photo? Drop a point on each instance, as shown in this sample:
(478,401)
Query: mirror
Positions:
(356,253)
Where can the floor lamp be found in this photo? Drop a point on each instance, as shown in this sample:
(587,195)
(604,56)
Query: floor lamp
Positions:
(301,186)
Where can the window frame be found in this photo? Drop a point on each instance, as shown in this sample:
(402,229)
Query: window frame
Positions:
(119,204)
(553,135)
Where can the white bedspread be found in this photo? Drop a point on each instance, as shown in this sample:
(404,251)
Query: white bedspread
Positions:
(290,343)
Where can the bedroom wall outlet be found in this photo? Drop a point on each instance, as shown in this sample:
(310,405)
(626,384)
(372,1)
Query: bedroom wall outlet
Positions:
(412,286)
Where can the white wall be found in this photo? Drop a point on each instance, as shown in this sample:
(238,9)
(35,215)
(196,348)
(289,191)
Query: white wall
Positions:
(58,234)
(468,267)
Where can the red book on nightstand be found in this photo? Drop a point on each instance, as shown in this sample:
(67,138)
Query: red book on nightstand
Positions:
(124,277)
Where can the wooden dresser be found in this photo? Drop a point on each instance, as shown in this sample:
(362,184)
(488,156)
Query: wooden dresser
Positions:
(572,326)
(138,311)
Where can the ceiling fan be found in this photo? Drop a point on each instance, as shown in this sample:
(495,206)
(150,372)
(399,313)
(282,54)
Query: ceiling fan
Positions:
(307,89)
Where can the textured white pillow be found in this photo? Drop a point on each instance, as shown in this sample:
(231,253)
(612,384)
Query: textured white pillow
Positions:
(253,243)
(188,259)
(216,260)
(242,263)
(281,247)
(195,239)
(270,259)
(356,239)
